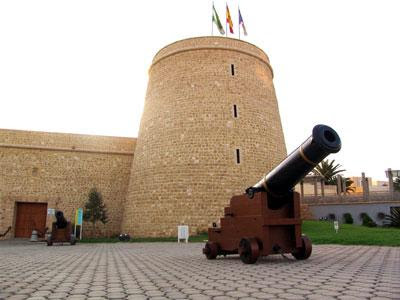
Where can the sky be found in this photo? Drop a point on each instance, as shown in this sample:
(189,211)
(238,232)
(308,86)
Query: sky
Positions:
(82,66)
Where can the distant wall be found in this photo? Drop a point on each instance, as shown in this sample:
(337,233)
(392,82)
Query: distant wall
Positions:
(60,169)
(372,209)
(309,189)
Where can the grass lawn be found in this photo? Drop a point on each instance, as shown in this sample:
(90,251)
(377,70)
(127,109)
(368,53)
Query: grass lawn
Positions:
(320,232)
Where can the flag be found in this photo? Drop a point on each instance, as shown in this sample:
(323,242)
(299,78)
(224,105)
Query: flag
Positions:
(217,22)
(241,23)
(229,19)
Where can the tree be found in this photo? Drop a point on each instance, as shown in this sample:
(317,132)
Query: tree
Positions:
(328,170)
(396,184)
(95,209)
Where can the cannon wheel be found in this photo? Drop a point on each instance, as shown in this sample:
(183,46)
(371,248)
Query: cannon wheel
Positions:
(210,250)
(305,251)
(249,250)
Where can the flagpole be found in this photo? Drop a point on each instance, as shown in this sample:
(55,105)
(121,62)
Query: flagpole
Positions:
(212,20)
(226,23)
(239,21)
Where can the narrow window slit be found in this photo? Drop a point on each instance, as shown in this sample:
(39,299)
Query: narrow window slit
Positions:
(237,156)
(232,69)
(235,111)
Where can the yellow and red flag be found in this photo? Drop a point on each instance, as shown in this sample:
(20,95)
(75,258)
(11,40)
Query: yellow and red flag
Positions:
(229,19)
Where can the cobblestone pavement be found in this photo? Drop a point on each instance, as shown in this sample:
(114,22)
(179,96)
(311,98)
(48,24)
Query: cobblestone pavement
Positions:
(180,271)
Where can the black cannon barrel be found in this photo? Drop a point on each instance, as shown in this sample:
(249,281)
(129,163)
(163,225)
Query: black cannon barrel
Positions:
(281,180)
(61,222)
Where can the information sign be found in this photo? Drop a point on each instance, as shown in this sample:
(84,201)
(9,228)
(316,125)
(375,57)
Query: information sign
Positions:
(336,226)
(79,221)
(183,233)
(79,216)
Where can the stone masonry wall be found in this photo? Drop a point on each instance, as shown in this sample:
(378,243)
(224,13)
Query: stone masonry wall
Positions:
(60,169)
(185,166)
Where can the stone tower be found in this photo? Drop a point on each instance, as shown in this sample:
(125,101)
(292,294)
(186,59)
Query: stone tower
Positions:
(210,128)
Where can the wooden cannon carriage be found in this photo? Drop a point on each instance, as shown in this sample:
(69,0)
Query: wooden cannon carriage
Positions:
(61,231)
(266,219)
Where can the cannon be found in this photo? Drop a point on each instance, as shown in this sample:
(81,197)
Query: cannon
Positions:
(61,222)
(266,218)
(61,231)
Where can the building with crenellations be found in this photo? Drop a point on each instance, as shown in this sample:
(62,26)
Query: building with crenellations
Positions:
(210,128)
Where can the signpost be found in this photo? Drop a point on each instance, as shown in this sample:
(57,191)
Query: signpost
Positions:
(79,221)
(183,233)
(336,226)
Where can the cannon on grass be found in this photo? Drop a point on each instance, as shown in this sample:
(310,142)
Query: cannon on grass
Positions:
(266,219)
(61,231)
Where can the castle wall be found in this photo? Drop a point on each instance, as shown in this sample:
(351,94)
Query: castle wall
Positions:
(60,169)
(185,166)
(210,128)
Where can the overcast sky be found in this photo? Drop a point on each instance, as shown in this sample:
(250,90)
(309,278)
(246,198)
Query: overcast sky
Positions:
(81,66)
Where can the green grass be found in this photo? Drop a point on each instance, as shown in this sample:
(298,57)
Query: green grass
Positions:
(320,232)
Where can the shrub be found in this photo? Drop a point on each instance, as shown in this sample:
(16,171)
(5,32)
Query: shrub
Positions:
(348,219)
(366,220)
(332,217)
(380,216)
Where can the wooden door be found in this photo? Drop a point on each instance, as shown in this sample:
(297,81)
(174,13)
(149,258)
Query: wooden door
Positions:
(30,216)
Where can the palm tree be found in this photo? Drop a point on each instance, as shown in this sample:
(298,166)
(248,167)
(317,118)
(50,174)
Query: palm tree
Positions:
(394,218)
(328,170)
(348,182)
(349,185)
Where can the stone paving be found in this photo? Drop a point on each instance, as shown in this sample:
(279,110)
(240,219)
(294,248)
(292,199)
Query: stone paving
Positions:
(180,271)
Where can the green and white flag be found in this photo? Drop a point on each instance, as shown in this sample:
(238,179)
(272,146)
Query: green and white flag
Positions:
(217,22)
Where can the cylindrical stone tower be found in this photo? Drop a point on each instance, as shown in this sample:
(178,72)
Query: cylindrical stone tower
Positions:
(210,128)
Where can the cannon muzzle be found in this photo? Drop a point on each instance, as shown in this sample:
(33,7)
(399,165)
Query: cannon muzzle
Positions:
(281,180)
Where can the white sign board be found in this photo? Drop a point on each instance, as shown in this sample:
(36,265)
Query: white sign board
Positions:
(51,211)
(336,226)
(183,233)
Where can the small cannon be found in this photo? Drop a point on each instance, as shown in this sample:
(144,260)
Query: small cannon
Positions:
(61,231)
(5,232)
(61,222)
(266,219)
